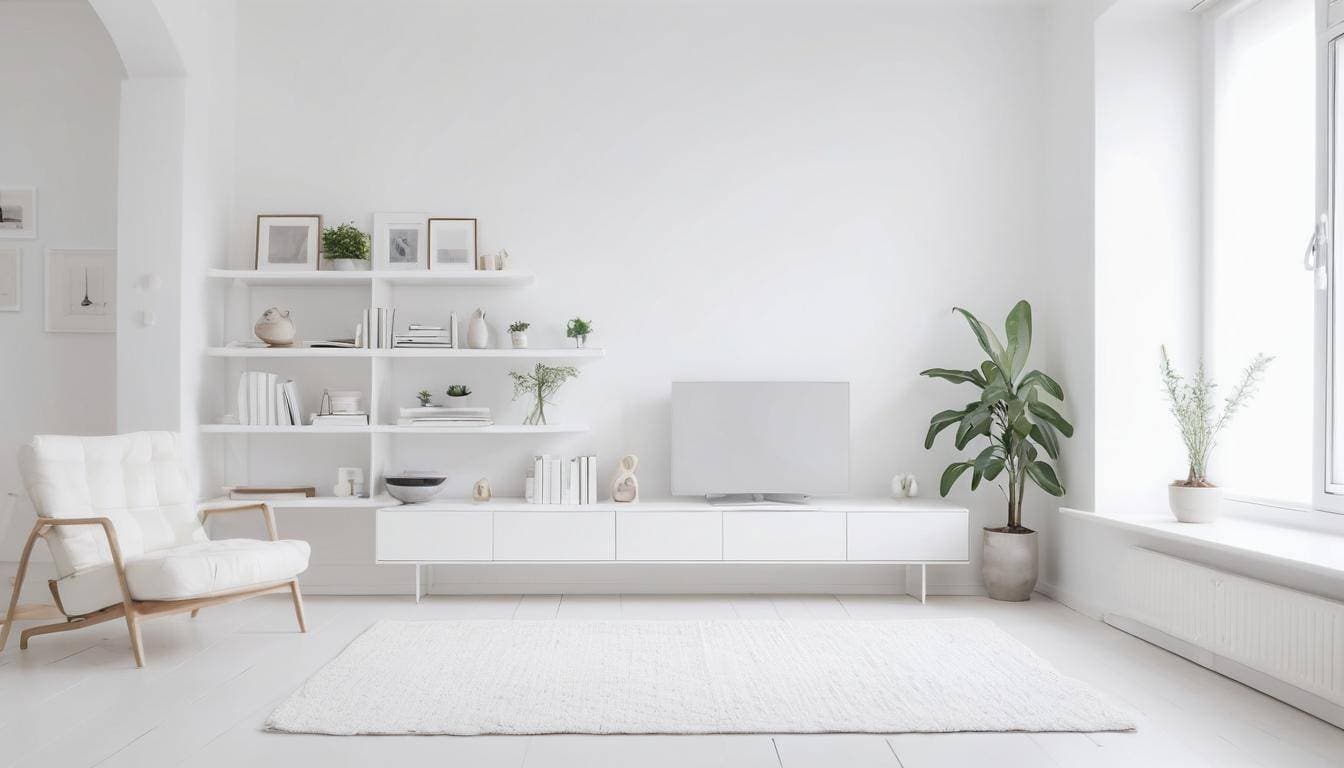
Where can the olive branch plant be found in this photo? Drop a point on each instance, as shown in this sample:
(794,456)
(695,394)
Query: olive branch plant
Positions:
(1009,413)
(1192,403)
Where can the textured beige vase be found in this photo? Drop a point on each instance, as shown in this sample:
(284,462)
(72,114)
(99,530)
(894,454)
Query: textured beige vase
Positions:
(1008,564)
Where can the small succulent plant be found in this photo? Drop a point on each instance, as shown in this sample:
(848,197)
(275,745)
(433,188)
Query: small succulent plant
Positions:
(424,396)
(459,390)
(519,327)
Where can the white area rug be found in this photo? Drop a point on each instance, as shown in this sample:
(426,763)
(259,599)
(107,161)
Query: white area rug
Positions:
(479,677)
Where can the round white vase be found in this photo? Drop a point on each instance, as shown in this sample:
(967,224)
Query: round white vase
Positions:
(1195,505)
(1008,564)
(519,339)
(348,265)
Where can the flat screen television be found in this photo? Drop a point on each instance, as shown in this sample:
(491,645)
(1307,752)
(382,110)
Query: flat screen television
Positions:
(760,440)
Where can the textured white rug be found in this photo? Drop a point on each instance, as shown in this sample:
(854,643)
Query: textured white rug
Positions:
(479,677)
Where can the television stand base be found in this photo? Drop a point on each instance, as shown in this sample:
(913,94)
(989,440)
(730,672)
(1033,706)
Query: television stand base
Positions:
(757,499)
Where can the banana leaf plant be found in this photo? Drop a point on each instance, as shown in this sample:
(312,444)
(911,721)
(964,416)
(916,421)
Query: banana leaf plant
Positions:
(1008,413)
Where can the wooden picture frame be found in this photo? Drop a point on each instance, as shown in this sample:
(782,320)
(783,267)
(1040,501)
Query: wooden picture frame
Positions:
(452,244)
(400,241)
(288,242)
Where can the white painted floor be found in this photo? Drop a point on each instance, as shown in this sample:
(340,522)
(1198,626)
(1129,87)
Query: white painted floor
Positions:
(76,699)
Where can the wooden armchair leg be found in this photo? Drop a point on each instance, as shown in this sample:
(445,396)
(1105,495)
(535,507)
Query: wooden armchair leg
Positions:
(18,584)
(298,604)
(137,647)
(194,612)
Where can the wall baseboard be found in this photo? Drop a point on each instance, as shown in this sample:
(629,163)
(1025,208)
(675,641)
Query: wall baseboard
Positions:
(1071,600)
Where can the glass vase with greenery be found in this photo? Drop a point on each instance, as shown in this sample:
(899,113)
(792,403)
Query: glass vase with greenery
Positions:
(1192,403)
(1010,412)
(578,330)
(540,385)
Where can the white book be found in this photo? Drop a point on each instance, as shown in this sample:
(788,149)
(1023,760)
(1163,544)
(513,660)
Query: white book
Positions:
(292,401)
(452,329)
(254,398)
(583,480)
(242,398)
(573,477)
(363,331)
(556,481)
(281,409)
(592,479)
(272,408)
(536,480)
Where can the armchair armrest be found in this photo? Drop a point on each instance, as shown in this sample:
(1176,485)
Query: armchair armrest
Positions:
(108,529)
(266,514)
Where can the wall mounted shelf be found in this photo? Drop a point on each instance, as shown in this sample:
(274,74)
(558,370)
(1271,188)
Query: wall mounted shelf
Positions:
(397,277)
(562,353)
(396,429)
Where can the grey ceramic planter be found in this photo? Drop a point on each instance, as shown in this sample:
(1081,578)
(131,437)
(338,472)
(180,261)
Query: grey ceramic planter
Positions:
(1008,564)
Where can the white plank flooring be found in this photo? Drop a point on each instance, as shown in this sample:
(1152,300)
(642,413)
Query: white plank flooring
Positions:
(76,699)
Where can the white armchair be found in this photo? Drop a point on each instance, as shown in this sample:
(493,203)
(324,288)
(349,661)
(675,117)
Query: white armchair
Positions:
(128,539)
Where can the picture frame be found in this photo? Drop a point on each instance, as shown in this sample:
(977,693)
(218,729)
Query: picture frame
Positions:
(18,213)
(288,242)
(452,244)
(400,241)
(11,278)
(81,291)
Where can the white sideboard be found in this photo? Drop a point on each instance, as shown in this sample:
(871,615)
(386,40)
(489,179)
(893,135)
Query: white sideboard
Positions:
(914,532)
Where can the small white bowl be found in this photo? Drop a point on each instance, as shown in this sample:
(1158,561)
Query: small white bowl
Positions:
(414,489)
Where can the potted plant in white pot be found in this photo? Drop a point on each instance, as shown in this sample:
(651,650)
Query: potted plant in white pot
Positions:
(1010,414)
(345,247)
(1195,499)
(518,334)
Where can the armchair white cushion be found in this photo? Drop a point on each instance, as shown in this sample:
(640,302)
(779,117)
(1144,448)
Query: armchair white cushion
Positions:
(139,482)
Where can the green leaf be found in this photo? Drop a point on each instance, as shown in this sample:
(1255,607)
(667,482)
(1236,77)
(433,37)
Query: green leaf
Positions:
(988,341)
(1040,380)
(1044,435)
(1050,416)
(993,468)
(1018,331)
(990,371)
(944,419)
(950,476)
(1045,477)
(1022,427)
(986,456)
(955,376)
(975,424)
(994,393)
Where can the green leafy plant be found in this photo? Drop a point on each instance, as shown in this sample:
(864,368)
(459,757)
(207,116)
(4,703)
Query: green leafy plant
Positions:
(541,384)
(345,242)
(519,326)
(1009,413)
(458,390)
(424,396)
(578,328)
(1192,405)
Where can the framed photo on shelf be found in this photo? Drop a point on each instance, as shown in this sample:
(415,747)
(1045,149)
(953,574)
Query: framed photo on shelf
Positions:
(11,278)
(288,242)
(18,213)
(452,244)
(81,287)
(400,241)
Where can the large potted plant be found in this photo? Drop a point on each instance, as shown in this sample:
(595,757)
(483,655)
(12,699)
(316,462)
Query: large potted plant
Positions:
(1195,499)
(1010,414)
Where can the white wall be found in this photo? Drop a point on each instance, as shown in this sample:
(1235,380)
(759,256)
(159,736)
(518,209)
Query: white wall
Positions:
(59,134)
(726,191)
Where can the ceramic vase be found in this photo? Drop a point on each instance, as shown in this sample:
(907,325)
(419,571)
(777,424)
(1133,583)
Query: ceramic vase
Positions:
(348,265)
(519,339)
(275,328)
(478,333)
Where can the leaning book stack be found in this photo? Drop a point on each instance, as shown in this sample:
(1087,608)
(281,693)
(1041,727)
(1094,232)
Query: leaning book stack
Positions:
(563,481)
(422,336)
(435,416)
(266,400)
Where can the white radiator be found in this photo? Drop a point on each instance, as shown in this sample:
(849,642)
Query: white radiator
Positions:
(1288,635)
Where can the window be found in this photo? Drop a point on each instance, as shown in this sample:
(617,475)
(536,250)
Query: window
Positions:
(1261,202)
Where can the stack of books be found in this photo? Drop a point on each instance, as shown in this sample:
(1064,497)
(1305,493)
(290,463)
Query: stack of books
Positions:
(375,332)
(441,416)
(264,399)
(560,481)
(287,493)
(351,419)
(419,335)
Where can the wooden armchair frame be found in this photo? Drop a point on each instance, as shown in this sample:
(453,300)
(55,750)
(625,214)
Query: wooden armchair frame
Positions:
(129,608)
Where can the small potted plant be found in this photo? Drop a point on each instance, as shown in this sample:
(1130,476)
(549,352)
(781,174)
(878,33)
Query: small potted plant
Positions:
(458,393)
(424,397)
(578,330)
(1195,499)
(518,334)
(345,247)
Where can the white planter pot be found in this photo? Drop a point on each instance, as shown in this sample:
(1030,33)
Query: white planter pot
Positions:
(1008,564)
(519,339)
(348,265)
(1195,505)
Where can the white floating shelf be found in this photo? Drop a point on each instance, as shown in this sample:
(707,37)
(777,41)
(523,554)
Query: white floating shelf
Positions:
(398,277)
(257,429)
(494,429)
(313,502)
(563,353)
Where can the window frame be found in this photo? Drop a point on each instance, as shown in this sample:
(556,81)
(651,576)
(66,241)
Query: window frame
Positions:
(1326,496)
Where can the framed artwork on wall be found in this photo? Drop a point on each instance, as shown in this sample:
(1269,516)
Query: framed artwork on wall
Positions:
(81,287)
(18,212)
(452,244)
(288,242)
(11,278)
(400,241)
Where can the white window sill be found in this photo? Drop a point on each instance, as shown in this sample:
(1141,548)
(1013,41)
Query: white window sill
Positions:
(1312,550)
